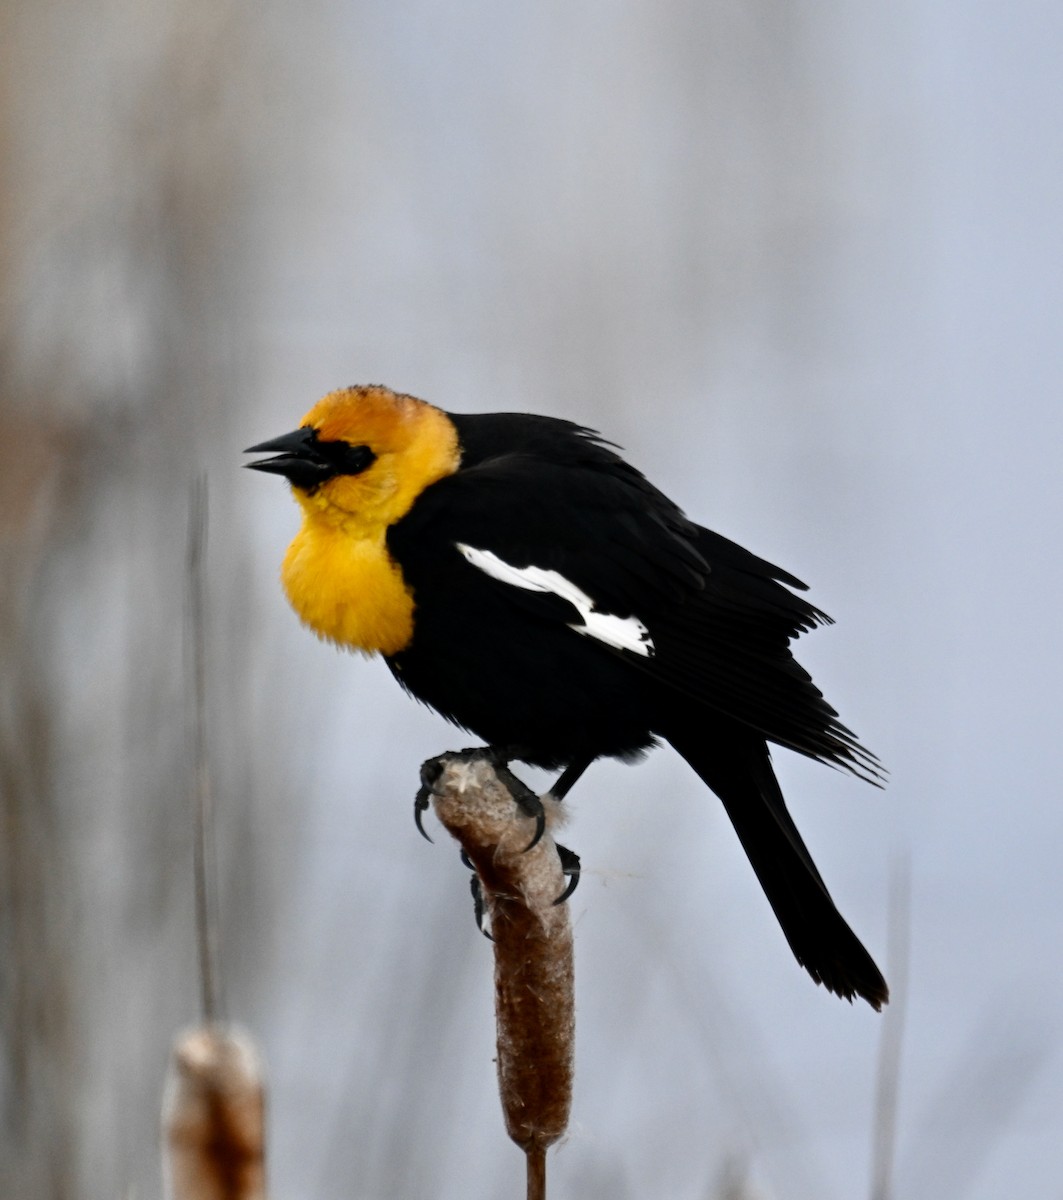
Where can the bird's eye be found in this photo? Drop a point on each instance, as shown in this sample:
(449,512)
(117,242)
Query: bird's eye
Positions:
(341,458)
(352,460)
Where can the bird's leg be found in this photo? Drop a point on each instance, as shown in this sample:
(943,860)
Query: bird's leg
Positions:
(501,756)
(569,777)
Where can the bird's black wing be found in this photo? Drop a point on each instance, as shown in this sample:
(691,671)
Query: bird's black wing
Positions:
(720,618)
(738,631)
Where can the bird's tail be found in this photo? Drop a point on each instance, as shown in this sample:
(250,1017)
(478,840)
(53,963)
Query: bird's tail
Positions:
(739,771)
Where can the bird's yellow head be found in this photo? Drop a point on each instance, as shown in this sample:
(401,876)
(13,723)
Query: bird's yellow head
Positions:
(362,456)
(356,464)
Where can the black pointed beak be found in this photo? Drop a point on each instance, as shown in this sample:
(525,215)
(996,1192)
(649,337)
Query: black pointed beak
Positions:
(297,458)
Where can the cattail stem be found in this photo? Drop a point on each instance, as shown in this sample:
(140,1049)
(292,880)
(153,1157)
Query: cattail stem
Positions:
(536,1158)
(534,1004)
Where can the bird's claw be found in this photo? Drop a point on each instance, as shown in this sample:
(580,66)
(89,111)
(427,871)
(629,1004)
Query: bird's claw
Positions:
(479,909)
(430,773)
(527,801)
(420,806)
(570,866)
(540,827)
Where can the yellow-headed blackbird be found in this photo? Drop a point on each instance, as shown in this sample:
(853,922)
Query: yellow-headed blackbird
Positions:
(527,583)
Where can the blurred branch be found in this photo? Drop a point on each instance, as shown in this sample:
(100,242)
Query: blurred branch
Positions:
(39,501)
(213,1110)
(202,798)
(532,935)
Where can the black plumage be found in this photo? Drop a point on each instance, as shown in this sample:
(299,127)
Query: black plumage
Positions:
(503,662)
(560,607)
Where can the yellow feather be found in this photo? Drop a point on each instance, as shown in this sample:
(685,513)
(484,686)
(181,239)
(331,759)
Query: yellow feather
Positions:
(337,573)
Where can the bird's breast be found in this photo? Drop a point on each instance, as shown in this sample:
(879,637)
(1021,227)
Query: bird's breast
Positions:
(348,589)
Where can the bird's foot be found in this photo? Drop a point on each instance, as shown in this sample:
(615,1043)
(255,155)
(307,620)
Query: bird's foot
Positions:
(570,867)
(500,757)
(527,801)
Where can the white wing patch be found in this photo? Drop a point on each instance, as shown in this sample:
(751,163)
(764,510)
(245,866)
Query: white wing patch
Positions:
(622,633)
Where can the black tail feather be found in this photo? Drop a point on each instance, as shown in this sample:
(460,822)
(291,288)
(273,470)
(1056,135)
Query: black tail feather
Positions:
(739,771)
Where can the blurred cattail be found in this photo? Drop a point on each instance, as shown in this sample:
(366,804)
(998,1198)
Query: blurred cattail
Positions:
(534,1006)
(213,1105)
(214,1117)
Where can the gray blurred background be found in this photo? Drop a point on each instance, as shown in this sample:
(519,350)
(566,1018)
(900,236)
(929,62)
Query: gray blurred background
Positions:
(803,263)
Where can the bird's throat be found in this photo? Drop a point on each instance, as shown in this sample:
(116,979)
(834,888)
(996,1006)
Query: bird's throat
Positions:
(348,589)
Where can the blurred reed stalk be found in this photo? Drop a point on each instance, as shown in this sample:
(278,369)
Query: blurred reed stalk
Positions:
(204,874)
(532,935)
(891,1043)
(126,143)
(214,1101)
